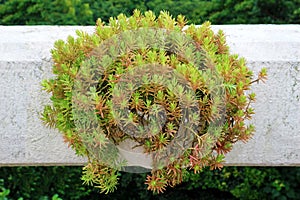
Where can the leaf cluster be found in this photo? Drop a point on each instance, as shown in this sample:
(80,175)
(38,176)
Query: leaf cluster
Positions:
(216,89)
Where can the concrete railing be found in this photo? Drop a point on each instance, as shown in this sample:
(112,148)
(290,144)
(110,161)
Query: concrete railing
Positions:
(25,60)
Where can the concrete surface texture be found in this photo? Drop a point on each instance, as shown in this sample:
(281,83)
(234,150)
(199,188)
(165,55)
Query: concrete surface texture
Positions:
(25,60)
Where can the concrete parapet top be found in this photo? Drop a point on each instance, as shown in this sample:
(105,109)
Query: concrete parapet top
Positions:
(25,60)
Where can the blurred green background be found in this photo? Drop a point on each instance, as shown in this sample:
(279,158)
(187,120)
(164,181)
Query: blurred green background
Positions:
(85,12)
(230,183)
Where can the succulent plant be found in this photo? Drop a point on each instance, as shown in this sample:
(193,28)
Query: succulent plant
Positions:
(175,90)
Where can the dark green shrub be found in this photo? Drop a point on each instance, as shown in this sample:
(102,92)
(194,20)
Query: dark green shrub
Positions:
(259,182)
(250,182)
(86,12)
(46,12)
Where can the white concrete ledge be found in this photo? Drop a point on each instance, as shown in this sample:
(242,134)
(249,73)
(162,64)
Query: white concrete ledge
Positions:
(25,60)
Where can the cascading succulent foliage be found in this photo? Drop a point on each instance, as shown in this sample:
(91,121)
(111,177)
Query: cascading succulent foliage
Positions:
(219,120)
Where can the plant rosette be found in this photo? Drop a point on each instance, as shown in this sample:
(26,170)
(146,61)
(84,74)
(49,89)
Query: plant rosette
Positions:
(149,93)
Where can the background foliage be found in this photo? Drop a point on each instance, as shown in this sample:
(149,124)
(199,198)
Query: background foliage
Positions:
(231,183)
(85,12)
